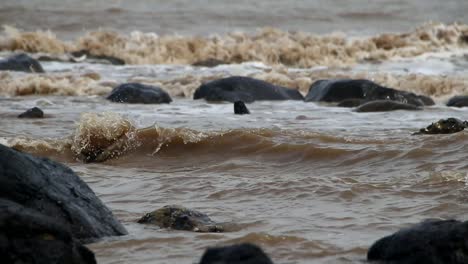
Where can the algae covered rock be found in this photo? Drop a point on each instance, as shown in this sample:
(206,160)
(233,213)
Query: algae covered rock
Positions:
(444,126)
(180,218)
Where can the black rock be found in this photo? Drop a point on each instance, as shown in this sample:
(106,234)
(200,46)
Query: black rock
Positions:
(34,112)
(55,190)
(136,93)
(458,101)
(385,105)
(21,62)
(181,218)
(209,63)
(337,90)
(240,108)
(444,126)
(244,89)
(28,236)
(353,102)
(429,242)
(236,254)
(86,55)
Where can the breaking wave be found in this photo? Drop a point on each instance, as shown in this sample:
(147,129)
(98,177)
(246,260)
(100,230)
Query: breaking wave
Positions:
(270,46)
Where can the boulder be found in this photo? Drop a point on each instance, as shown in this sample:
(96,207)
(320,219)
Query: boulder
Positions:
(136,93)
(240,108)
(458,101)
(337,90)
(28,236)
(385,105)
(34,112)
(245,253)
(180,218)
(429,242)
(21,62)
(246,89)
(56,191)
(444,126)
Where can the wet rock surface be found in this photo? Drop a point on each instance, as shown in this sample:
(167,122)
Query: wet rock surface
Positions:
(337,90)
(245,253)
(444,126)
(54,190)
(429,242)
(21,62)
(34,112)
(209,63)
(244,89)
(28,236)
(85,55)
(180,218)
(458,101)
(384,106)
(136,93)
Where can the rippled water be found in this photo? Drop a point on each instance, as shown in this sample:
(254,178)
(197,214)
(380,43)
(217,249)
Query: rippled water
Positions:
(308,182)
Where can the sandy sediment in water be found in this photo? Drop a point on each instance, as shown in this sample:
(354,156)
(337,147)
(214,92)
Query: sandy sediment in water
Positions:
(270,46)
(17,84)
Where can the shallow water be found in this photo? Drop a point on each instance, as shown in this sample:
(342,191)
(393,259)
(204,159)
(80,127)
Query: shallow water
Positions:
(308,182)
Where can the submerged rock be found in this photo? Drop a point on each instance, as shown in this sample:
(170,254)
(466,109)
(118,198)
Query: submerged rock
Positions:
(385,105)
(444,126)
(136,93)
(21,62)
(337,90)
(28,236)
(240,108)
(246,89)
(429,242)
(181,218)
(458,101)
(85,55)
(209,63)
(235,254)
(34,112)
(54,190)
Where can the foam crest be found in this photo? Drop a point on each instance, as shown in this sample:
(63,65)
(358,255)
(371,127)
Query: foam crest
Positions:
(16,84)
(270,46)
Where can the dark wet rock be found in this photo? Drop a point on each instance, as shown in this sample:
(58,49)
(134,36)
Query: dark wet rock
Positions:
(21,62)
(244,89)
(55,190)
(28,236)
(385,105)
(444,126)
(429,242)
(240,108)
(85,55)
(136,93)
(337,90)
(458,101)
(209,63)
(353,102)
(34,112)
(181,218)
(245,253)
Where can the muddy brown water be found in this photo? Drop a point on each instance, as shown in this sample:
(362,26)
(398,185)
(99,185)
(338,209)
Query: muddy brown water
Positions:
(308,182)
